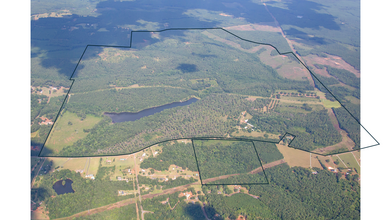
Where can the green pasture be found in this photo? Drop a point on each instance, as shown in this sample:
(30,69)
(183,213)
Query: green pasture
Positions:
(68,129)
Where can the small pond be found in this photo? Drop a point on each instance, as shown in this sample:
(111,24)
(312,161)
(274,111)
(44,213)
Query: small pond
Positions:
(61,189)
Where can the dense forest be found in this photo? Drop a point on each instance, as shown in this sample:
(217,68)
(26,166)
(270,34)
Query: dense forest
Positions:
(127,212)
(312,130)
(180,154)
(348,123)
(268,152)
(182,210)
(214,115)
(217,158)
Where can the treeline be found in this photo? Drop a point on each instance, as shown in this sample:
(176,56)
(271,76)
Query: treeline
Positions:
(125,100)
(170,183)
(180,154)
(344,76)
(348,123)
(244,178)
(88,193)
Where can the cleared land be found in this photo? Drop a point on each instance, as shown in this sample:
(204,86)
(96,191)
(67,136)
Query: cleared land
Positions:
(68,129)
(296,157)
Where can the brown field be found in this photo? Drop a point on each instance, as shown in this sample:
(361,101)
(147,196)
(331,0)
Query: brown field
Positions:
(296,157)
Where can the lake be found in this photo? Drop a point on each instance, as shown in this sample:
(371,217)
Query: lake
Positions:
(128,116)
(61,189)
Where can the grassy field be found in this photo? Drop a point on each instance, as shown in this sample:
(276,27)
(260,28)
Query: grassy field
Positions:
(254,134)
(340,165)
(350,161)
(327,164)
(35,134)
(76,164)
(330,104)
(65,133)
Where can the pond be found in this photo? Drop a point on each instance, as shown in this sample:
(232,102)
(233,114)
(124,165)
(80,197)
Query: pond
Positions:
(128,116)
(61,189)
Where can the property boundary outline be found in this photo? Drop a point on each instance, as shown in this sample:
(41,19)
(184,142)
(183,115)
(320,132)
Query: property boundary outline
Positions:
(229,184)
(184,29)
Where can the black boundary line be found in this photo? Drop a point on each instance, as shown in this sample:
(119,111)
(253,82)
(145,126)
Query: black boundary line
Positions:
(229,184)
(215,28)
(195,156)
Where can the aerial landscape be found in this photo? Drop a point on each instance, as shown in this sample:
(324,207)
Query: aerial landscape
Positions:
(196,110)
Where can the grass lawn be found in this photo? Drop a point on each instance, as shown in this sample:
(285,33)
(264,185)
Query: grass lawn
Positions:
(64,134)
(328,164)
(350,161)
(340,165)
(94,165)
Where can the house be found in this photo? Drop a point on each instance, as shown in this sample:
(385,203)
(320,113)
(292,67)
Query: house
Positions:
(174,178)
(91,176)
(122,159)
(119,178)
(108,161)
(142,170)
(144,154)
(314,172)
(188,194)
(246,120)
